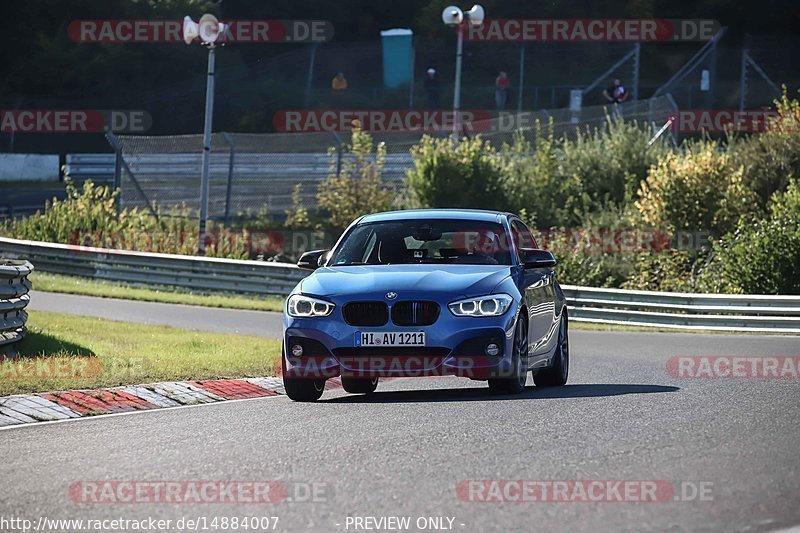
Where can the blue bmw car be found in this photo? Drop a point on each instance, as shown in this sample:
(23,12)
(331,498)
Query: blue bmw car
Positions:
(425,293)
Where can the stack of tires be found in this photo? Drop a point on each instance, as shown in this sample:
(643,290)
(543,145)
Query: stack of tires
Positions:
(14,298)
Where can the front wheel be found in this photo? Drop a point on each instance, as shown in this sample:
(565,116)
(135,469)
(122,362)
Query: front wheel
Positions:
(302,389)
(557,374)
(359,385)
(515,383)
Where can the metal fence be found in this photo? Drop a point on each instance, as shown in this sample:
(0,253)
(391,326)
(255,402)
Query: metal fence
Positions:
(251,175)
(776,314)
(254,175)
(14,287)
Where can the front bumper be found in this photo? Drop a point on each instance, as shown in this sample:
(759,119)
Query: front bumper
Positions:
(454,346)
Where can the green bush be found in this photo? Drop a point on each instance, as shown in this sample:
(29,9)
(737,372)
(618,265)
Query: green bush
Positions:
(464,174)
(611,161)
(582,259)
(90,210)
(761,257)
(298,217)
(671,270)
(770,159)
(694,190)
(89,217)
(358,189)
(533,181)
(560,182)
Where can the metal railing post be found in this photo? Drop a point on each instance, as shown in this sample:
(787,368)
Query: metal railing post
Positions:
(743,80)
(231,156)
(521,76)
(115,145)
(637,52)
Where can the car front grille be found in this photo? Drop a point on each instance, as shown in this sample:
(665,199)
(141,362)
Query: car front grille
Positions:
(366,313)
(415,313)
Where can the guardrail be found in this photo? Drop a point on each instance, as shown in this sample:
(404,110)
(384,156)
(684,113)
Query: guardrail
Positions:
(14,287)
(778,314)
(99,168)
(206,275)
(722,312)
(13,211)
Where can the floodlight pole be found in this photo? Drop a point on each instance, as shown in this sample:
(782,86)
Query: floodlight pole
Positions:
(201,245)
(457,89)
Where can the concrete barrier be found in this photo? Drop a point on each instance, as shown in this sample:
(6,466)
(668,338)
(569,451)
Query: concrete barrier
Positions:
(29,167)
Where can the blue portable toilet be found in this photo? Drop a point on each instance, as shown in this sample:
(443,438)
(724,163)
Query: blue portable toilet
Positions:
(398,57)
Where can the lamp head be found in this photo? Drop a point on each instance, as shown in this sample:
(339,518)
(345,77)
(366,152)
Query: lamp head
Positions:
(476,15)
(190,30)
(210,28)
(452,16)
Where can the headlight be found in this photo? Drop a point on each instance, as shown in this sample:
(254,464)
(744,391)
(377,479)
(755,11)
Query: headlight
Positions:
(304,306)
(492,305)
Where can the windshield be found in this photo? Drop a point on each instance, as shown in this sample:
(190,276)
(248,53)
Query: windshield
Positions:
(424,241)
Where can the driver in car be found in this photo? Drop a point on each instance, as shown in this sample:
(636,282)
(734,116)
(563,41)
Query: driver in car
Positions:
(480,248)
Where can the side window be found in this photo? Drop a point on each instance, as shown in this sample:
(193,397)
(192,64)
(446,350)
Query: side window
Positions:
(523,238)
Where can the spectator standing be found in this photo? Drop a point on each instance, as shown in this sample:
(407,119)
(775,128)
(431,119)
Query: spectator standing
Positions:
(432,88)
(339,82)
(616,94)
(501,84)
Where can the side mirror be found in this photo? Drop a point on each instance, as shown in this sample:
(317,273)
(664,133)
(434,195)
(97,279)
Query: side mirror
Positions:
(312,260)
(538,259)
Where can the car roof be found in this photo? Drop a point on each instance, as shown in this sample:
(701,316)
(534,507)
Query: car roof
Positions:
(449,214)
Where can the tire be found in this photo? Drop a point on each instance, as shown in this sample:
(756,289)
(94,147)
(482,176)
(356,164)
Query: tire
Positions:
(359,385)
(556,375)
(302,389)
(516,383)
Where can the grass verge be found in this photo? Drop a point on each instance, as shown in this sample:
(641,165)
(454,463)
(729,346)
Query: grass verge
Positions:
(64,352)
(43,281)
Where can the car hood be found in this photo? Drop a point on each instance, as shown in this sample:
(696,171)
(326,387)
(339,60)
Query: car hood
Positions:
(455,280)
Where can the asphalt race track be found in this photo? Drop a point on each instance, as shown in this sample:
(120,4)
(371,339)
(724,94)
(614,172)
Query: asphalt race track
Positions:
(404,451)
(257,323)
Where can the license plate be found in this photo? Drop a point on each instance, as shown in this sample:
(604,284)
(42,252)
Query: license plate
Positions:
(390,338)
